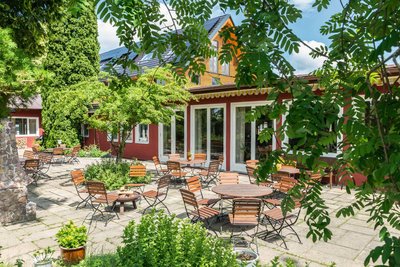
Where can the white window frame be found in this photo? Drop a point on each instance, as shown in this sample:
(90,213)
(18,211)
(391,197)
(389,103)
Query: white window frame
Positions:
(214,59)
(110,135)
(339,139)
(129,140)
(137,134)
(83,129)
(173,133)
(237,166)
(192,128)
(225,69)
(28,118)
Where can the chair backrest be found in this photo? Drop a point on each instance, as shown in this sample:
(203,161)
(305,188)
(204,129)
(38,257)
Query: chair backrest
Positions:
(277,177)
(221,159)
(213,167)
(63,146)
(250,172)
(229,178)
(156,161)
(248,207)
(252,162)
(35,149)
(32,164)
(173,166)
(58,151)
(77,177)
(200,156)
(174,157)
(96,188)
(189,199)
(75,150)
(286,184)
(193,184)
(45,158)
(137,171)
(28,154)
(163,182)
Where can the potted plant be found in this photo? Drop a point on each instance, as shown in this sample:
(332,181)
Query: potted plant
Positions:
(43,258)
(72,240)
(246,257)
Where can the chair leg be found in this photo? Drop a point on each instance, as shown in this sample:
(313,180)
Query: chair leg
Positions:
(162,203)
(150,204)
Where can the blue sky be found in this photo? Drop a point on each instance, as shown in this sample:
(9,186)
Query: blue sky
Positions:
(306,28)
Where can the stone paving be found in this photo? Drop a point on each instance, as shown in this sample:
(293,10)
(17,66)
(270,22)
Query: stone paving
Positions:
(56,200)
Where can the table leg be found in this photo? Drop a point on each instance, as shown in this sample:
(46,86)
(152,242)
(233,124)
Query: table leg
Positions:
(121,207)
(134,204)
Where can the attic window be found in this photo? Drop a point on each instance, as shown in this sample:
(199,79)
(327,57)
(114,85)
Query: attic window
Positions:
(147,56)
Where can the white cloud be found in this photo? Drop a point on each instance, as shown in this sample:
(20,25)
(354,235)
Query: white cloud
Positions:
(303,4)
(303,62)
(107,36)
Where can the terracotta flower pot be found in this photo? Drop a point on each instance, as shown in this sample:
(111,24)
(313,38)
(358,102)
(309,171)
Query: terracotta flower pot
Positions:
(72,255)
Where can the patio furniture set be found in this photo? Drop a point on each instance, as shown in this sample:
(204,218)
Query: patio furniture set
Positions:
(251,204)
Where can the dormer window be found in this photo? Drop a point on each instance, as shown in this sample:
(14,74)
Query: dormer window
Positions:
(214,59)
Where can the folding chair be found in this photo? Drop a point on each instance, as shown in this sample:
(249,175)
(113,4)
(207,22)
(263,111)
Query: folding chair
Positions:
(174,157)
(196,213)
(45,162)
(211,174)
(35,149)
(58,155)
(221,161)
(73,156)
(281,188)
(252,162)
(159,168)
(200,156)
(32,168)
(194,186)
(78,179)
(245,213)
(229,178)
(175,169)
(153,197)
(99,198)
(28,154)
(278,221)
(137,171)
(252,179)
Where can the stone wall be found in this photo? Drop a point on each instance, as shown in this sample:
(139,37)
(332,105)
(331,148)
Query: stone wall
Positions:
(14,205)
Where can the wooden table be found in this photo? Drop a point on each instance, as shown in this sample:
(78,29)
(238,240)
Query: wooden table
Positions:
(192,162)
(242,190)
(127,197)
(289,170)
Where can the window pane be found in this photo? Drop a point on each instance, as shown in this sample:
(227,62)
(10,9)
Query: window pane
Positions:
(262,149)
(200,131)
(143,133)
(217,132)
(129,138)
(166,139)
(242,136)
(180,133)
(225,68)
(215,81)
(32,127)
(214,60)
(21,126)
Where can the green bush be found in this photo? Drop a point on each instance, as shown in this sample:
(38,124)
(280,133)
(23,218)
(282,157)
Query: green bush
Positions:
(103,260)
(71,236)
(161,240)
(92,151)
(114,175)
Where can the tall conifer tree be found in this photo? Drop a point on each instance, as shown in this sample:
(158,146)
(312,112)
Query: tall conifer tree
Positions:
(73,57)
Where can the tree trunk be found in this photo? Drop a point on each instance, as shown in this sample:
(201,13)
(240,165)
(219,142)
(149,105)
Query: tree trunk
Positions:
(14,205)
(122,144)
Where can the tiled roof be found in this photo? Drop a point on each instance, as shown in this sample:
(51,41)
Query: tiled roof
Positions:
(212,25)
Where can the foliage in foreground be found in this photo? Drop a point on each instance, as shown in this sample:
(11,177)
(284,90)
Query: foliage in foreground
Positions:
(162,240)
(114,174)
(92,151)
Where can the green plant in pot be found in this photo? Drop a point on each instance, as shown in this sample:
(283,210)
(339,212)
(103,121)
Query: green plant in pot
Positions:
(72,241)
(43,257)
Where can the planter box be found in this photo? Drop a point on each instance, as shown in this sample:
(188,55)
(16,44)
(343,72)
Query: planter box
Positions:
(252,262)
(72,255)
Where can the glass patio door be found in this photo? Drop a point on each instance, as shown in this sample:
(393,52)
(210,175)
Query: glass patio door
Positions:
(208,131)
(172,137)
(244,138)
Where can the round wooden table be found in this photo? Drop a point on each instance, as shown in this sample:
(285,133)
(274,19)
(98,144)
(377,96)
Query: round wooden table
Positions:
(242,190)
(127,197)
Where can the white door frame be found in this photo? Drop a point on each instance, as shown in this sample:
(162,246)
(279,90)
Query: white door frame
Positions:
(239,166)
(161,156)
(192,118)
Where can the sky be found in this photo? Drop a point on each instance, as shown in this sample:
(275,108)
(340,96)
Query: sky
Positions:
(307,28)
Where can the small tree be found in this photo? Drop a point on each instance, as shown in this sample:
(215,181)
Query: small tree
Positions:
(125,103)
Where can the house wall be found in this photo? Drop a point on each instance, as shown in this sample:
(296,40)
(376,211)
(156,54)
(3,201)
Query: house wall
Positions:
(28,141)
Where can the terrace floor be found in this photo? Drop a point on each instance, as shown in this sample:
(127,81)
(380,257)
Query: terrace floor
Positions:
(56,199)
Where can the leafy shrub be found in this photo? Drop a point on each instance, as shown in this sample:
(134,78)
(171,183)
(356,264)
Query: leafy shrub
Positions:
(71,236)
(114,175)
(103,260)
(161,240)
(92,151)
